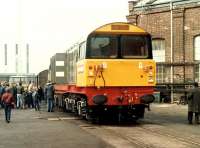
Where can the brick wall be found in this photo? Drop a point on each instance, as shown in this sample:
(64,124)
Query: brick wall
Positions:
(186,25)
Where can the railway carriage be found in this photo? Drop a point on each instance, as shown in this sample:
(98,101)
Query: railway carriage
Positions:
(110,74)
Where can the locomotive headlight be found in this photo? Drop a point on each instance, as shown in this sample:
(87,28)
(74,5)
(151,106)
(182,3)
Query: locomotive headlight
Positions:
(150,75)
(91,73)
(150,67)
(150,80)
(136,95)
(90,67)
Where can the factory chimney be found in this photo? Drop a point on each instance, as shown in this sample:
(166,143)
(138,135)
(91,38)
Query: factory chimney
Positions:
(6,55)
(27,58)
(16,59)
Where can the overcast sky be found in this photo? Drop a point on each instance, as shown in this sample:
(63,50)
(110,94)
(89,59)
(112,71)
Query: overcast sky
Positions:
(51,26)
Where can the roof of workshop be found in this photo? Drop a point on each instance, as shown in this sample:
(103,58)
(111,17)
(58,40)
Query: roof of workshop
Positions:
(143,3)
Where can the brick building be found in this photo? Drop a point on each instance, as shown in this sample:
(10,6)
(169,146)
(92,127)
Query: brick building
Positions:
(175,29)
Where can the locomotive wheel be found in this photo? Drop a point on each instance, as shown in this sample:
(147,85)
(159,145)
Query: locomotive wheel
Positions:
(91,118)
(87,116)
(119,117)
(64,108)
(135,118)
(79,109)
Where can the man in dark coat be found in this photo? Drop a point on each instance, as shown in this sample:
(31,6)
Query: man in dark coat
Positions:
(40,93)
(13,90)
(49,93)
(8,101)
(194,104)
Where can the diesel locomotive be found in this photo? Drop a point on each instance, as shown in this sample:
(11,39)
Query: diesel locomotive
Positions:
(111,73)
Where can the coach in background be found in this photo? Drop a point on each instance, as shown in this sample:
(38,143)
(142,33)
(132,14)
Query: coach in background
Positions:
(194,104)
(8,101)
(49,93)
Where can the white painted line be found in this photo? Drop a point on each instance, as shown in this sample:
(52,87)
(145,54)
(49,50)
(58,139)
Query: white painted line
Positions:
(52,119)
(37,117)
(69,118)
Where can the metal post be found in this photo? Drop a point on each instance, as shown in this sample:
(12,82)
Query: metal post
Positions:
(37,80)
(6,55)
(171,10)
(16,59)
(27,58)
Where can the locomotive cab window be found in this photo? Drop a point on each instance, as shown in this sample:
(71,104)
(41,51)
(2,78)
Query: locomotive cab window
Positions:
(82,49)
(103,47)
(134,46)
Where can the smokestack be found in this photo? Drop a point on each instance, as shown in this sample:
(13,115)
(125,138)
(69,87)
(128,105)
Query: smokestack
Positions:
(27,58)
(6,55)
(16,49)
(16,58)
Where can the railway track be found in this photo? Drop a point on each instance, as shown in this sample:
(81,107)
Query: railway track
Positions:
(177,136)
(135,136)
(115,139)
(185,139)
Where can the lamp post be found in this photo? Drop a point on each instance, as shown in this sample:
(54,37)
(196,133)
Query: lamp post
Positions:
(171,60)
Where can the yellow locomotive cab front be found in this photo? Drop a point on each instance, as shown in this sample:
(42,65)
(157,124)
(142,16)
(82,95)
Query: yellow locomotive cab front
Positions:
(101,73)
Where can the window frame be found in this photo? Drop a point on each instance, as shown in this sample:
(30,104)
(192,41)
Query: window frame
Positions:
(135,57)
(119,55)
(88,56)
(160,73)
(195,57)
(82,51)
(164,51)
(194,41)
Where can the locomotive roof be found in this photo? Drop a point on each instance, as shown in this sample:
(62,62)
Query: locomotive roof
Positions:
(119,27)
(113,28)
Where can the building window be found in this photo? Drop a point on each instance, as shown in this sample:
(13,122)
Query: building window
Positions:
(60,74)
(197,56)
(60,63)
(197,48)
(158,46)
(196,73)
(160,74)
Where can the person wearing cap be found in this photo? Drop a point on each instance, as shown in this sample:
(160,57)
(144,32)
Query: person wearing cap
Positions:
(194,104)
(8,101)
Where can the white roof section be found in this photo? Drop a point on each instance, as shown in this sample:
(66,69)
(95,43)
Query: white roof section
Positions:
(163,1)
(143,3)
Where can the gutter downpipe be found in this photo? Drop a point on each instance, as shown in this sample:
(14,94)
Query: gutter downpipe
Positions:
(171,17)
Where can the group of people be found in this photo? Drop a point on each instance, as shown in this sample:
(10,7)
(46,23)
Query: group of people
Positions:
(25,97)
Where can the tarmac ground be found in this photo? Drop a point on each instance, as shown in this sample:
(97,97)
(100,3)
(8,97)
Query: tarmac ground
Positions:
(165,126)
(31,129)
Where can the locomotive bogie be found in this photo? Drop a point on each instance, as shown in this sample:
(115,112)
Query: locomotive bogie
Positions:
(90,112)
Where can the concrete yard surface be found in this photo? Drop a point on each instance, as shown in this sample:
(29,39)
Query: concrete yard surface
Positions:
(165,126)
(31,129)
